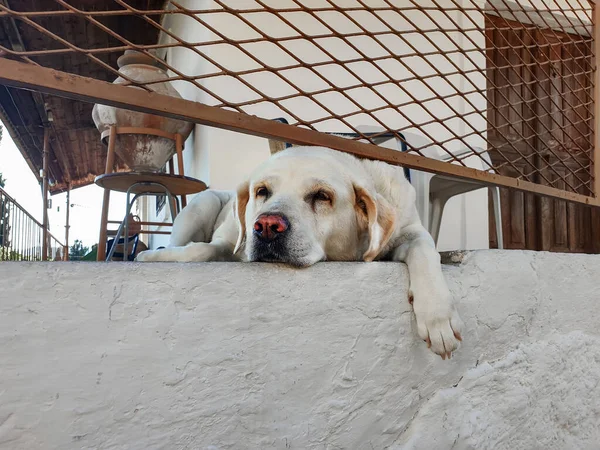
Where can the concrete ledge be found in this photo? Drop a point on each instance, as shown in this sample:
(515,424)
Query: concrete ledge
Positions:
(232,356)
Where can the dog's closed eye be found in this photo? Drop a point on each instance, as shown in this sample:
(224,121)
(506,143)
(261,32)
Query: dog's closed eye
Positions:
(262,192)
(319,196)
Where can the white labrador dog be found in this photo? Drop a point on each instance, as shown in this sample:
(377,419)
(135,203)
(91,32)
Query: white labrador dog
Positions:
(311,204)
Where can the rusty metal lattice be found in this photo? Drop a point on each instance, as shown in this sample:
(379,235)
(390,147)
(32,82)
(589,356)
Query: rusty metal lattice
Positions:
(510,81)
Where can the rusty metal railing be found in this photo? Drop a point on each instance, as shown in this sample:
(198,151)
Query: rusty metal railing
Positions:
(517,78)
(21,235)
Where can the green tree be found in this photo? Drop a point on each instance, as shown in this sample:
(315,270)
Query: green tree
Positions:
(77,251)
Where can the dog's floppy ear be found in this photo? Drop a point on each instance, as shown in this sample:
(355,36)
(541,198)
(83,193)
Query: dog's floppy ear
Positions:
(379,217)
(239,210)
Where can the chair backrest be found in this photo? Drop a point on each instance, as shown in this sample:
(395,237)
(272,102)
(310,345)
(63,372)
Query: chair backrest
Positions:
(431,150)
(277,146)
(480,153)
(378,139)
(485,155)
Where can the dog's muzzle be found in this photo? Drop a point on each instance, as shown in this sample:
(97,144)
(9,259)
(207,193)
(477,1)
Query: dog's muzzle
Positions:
(269,227)
(270,236)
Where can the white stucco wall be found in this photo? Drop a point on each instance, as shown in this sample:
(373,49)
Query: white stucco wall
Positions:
(248,356)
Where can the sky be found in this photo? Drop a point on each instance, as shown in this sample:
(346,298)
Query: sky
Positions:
(21,184)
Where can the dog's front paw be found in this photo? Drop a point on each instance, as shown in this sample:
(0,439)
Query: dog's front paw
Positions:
(144,256)
(438,323)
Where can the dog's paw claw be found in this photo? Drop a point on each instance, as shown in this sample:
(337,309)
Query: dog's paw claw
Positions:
(441,332)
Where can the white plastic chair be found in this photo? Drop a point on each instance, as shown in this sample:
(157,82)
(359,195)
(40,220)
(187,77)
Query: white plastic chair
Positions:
(434,191)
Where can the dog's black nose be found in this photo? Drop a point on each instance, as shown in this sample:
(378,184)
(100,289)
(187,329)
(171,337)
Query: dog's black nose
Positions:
(268,227)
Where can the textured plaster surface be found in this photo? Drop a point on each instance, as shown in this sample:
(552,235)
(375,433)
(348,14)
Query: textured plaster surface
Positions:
(253,356)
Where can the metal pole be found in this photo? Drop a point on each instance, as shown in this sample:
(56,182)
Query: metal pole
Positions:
(45,194)
(179,149)
(110,162)
(67,225)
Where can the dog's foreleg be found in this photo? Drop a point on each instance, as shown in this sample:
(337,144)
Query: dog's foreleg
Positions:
(196,222)
(438,322)
(217,250)
(194,237)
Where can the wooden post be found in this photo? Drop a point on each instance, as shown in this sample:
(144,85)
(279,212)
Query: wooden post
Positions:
(110,163)
(179,149)
(45,194)
(67,225)
(596,48)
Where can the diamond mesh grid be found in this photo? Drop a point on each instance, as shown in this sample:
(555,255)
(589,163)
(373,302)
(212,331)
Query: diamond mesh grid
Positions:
(503,86)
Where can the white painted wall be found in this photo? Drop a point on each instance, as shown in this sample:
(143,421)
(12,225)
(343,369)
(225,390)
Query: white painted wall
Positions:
(209,356)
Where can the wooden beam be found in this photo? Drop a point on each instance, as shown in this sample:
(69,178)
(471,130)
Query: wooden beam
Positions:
(50,81)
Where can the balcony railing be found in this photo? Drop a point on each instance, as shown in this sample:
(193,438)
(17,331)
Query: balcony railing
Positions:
(22,237)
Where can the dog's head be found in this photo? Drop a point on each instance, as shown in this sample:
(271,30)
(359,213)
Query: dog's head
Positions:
(308,204)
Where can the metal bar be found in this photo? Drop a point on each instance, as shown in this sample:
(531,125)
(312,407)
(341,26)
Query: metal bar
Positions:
(26,228)
(135,12)
(121,48)
(159,224)
(17,247)
(67,224)
(50,81)
(126,222)
(180,170)
(45,193)
(30,241)
(12,227)
(155,232)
